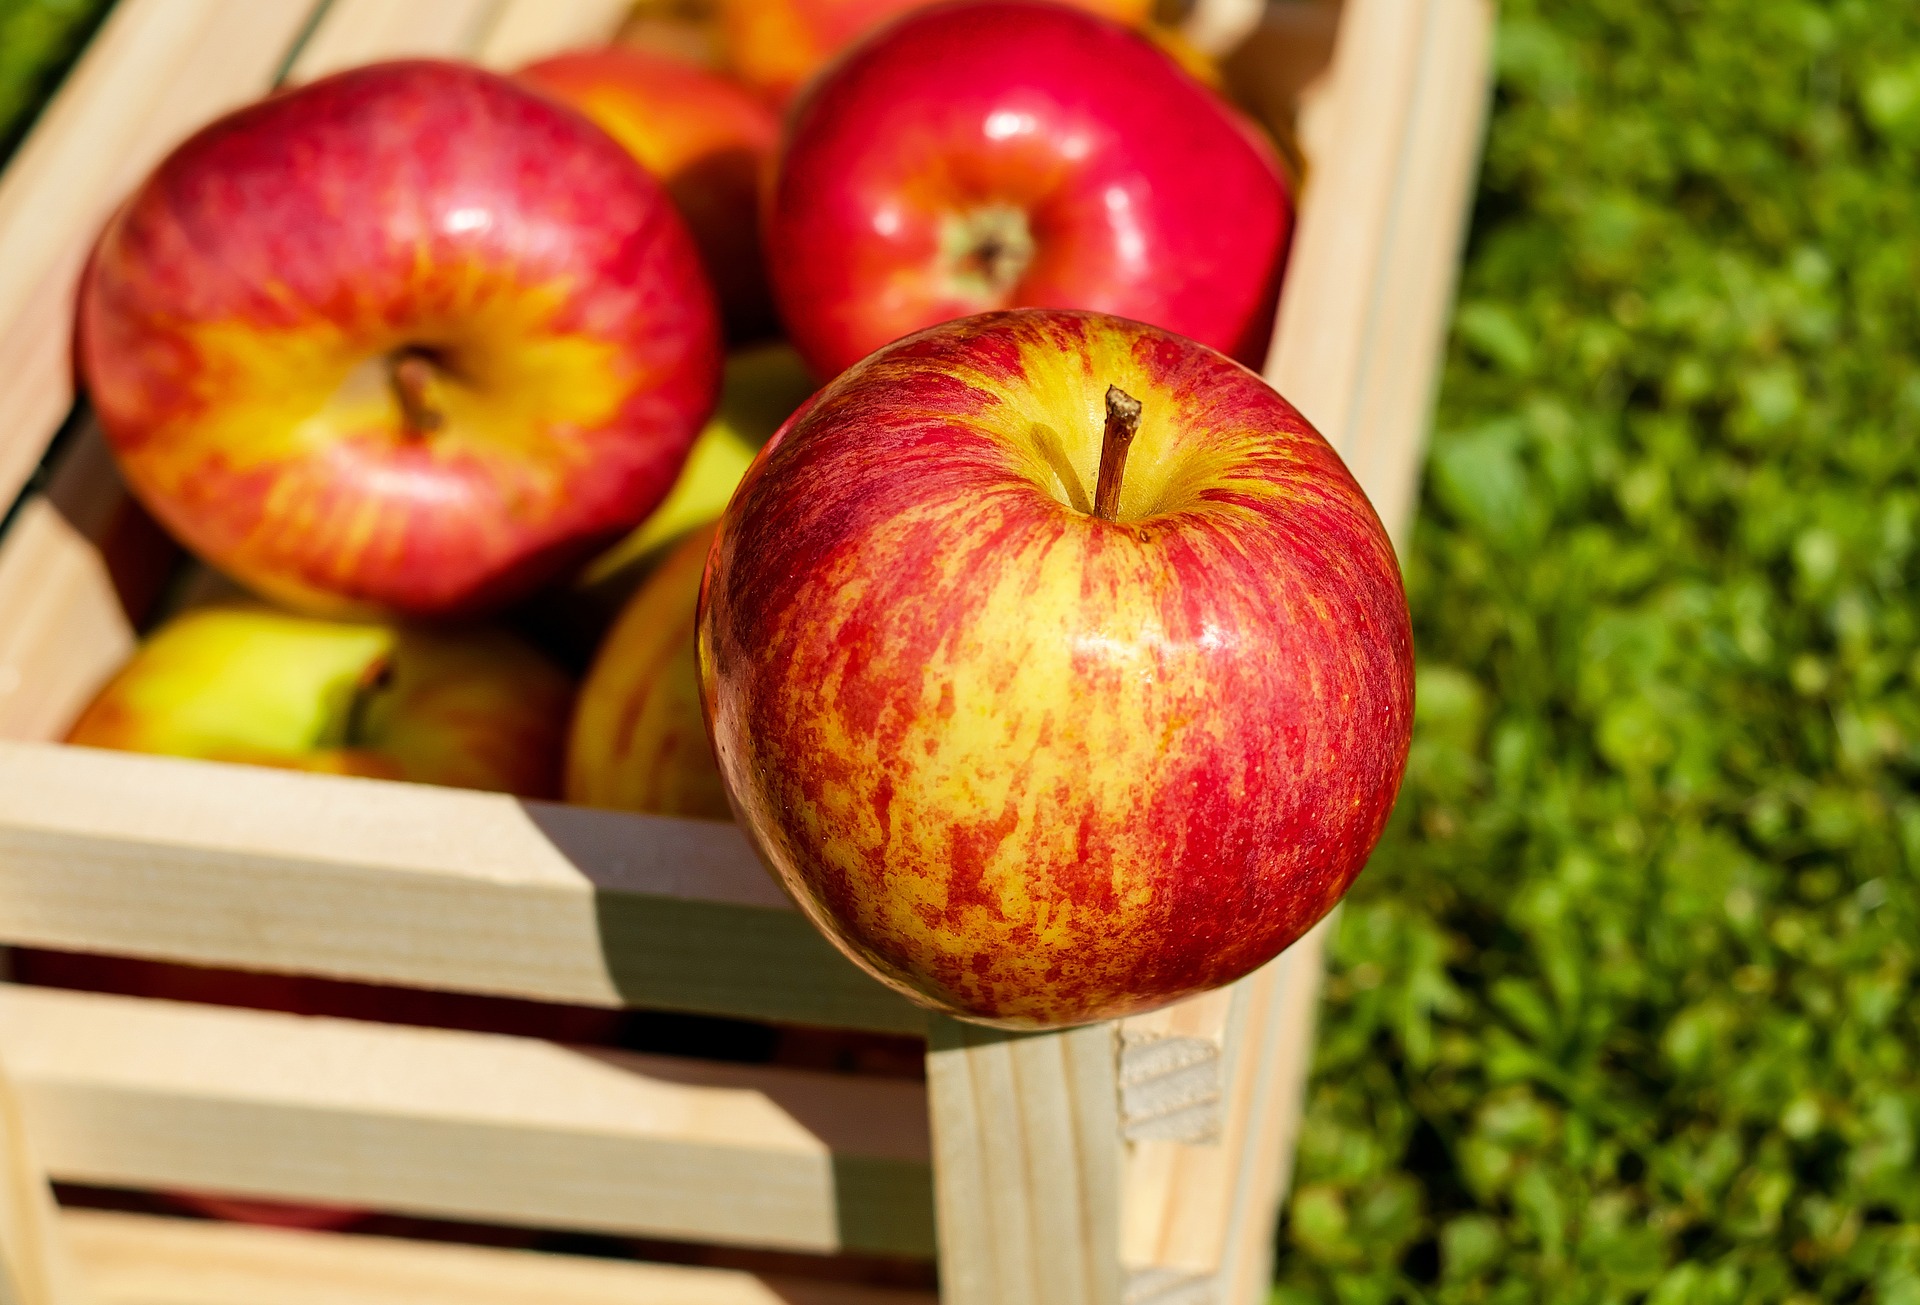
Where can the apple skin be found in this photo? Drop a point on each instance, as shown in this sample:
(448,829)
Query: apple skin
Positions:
(776,45)
(242,312)
(639,740)
(708,141)
(1030,767)
(471,708)
(1008,154)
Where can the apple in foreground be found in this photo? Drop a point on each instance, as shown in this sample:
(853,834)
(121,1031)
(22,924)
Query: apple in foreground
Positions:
(1013,154)
(1056,666)
(708,141)
(470,708)
(639,742)
(776,45)
(409,339)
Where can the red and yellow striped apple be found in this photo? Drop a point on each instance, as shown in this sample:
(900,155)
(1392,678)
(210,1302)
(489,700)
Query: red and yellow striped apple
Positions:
(409,339)
(639,742)
(708,141)
(776,45)
(1041,720)
(1004,154)
(473,708)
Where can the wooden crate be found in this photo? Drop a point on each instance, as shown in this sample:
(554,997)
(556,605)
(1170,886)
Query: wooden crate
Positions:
(1138,1162)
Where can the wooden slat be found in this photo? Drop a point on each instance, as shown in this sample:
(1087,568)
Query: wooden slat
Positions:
(65,631)
(130,1259)
(1173,1067)
(425,887)
(128,1092)
(1027,1155)
(525,30)
(156,70)
(354,32)
(35,1267)
(78,569)
(1418,265)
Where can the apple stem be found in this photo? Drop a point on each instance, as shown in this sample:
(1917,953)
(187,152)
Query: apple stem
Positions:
(411,373)
(1123,423)
(375,679)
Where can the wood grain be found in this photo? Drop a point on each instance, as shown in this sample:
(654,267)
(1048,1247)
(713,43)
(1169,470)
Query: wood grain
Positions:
(35,1265)
(1174,1065)
(425,887)
(127,1092)
(130,1259)
(1026,1134)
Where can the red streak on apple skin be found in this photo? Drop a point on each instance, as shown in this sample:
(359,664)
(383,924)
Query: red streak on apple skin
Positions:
(1146,197)
(1023,764)
(414,203)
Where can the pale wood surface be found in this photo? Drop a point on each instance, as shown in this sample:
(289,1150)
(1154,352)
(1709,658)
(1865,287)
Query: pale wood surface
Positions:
(1027,1153)
(399,883)
(129,1092)
(156,70)
(1173,1067)
(1394,137)
(35,1265)
(64,631)
(133,1259)
(525,30)
(354,32)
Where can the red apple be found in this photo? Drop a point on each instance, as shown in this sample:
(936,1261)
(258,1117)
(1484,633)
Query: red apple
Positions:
(1038,732)
(775,45)
(704,137)
(994,155)
(639,742)
(411,338)
(464,708)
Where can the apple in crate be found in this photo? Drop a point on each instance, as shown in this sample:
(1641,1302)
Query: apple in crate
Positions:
(981,156)
(472,708)
(410,339)
(639,742)
(1057,667)
(775,45)
(707,139)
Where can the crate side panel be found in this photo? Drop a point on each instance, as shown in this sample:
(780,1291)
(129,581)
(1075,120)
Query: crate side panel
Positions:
(135,1093)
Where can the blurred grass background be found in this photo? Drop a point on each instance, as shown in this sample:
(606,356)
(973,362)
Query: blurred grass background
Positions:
(1623,1010)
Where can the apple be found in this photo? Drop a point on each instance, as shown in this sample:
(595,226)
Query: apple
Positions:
(471,708)
(1056,666)
(1017,154)
(761,387)
(411,339)
(708,141)
(776,45)
(639,742)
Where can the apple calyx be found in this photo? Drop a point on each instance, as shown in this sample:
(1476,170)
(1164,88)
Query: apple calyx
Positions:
(410,372)
(987,250)
(1123,423)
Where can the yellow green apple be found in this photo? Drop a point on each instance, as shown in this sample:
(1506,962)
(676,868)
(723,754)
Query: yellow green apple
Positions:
(467,708)
(639,742)
(761,387)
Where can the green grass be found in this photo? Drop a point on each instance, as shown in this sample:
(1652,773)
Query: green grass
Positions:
(1624,1008)
(38,40)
